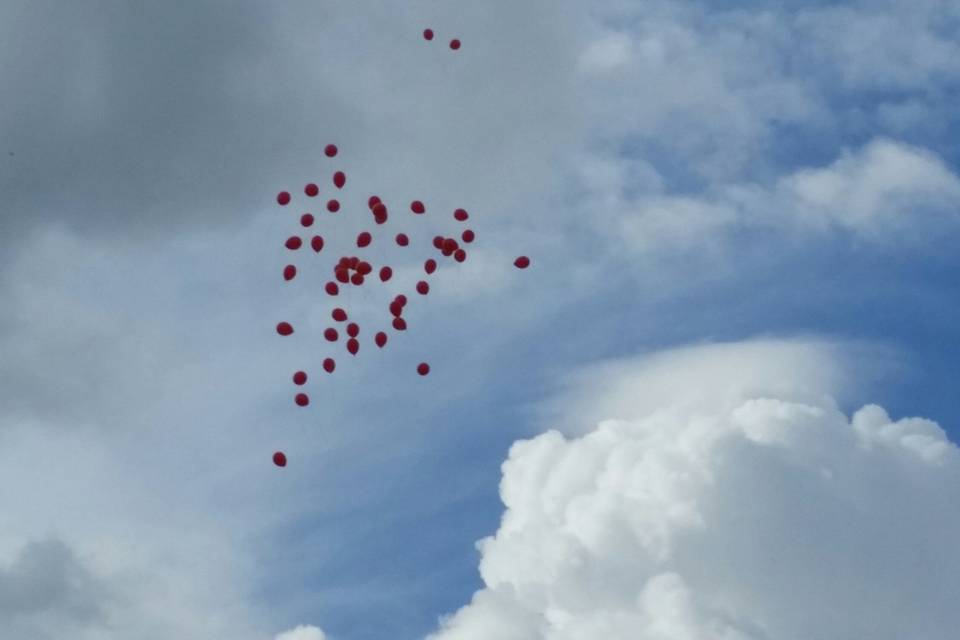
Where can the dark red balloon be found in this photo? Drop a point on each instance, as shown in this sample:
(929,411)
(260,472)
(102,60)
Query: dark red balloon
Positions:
(380,339)
(417,207)
(289,272)
(449,246)
(283,198)
(454,44)
(344,262)
(302,399)
(353,329)
(279,459)
(423,288)
(284,328)
(339,314)
(333,206)
(342,274)
(329,364)
(331,334)
(311,190)
(364,268)
(293,243)
(317,243)
(364,239)
(385,274)
(356,279)
(438,242)
(396,309)
(461,214)
(402,239)
(423,368)
(380,219)
(401,300)
(354,262)
(379,210)
(522,262)
(373,201)
(330,150)
(459,255)
(332,288)
(430,266)
(353,345)
(428,34)
(306,219)
(468,235)
(300,377)
(399,324)
(339,179)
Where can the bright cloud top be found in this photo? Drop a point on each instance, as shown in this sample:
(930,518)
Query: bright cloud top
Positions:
(303,633)
(743,505)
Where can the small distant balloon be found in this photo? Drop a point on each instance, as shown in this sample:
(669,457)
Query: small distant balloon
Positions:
(380,339)
(357,279)
(428,34)
(311,190)
(455,44)
(353,329)
(438,242)
(317,243)
(280,459)
(289,272)
(461,214)
(459,255)
(423,288)
(293,243)
(399,324)
(333,206)
(339,314)
(300,378)
(283,198)
(284,328)
(430,266)
(330,334)
(417,207)
(385,274)
(330,150)
(329,364)
(339,179)
(522,262)
(423,368)
(468,235)
(306,219)
(363,240)
(332,288)
(302,399)
(402,239)
(364,267)
(353,346)
(373,201)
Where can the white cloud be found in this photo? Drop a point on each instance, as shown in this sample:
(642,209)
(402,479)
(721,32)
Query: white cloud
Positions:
(725,497)
(303,632)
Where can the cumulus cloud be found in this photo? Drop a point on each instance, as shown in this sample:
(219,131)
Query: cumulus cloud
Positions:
(303,632)
(737,501)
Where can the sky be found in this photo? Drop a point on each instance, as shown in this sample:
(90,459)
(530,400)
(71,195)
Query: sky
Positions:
(719,405)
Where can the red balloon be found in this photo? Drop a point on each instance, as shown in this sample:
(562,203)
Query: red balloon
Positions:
(385,274)
(380,339)
(399,324)
(364,268)
(299,378)
(454,44)
(449,246)
(329,365)
(284,328)
(330,150)
(430,266)
(468,236)
(317,243)
(289,272)
(522,262)
(331,334)
(339,314)
(353,329)
(332,288)
(357,279)
(423,368)
(423,288)
(353,345)
(428,34)
(339,179)
(279,459)
(373,201)
(344,262)
(342,274)
(459,255)
(438,242)
(417,207)
(293,243)
(306,219)
(283,198)
(402,239)
(364,239)
(396,309)
(354,262)
(461,214)
(333,206)
(311,190)
(380,219)
(302,399)
(401,300)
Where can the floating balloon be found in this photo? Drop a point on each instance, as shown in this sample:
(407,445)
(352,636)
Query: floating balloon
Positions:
(300,378)
(380,339)
(468,235)
(461,214)
(396,309)
(399,324)
(423,288)
(330,150)
(311,190)
(330,334)
(317,243)
(364,239)
(522,262)
(438,242)
(339,314)
(354,262)
(428,34)
(279,459)
(293,243)
(402,239)
(339,179)
(364,268)
(353,345)
(329,364)
(356,279)
(459,255)
(423,368)
(289,272)
(373,201)
(306,219)
(332,288)
(353,329)
(284,328)
(342,274)
(283,198)
(385,274)
(401,300)
(430,266)
(333,206)
(302,399)
(449,246)
(454,44)
(417,207)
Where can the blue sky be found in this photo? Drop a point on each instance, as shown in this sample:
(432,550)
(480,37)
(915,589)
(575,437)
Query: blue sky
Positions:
(749,207)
